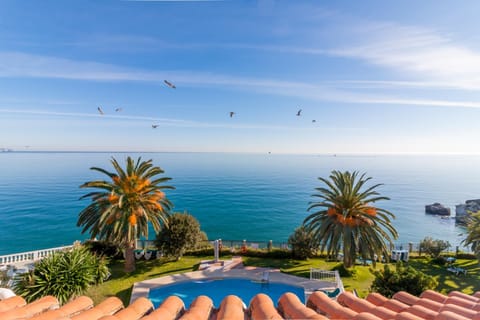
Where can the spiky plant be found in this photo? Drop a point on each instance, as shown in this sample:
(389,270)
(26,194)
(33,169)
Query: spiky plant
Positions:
(64,275)
(123,207)
(346,219)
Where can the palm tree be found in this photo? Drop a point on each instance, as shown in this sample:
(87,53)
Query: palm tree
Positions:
(473,233)
(123,207)
(347,220)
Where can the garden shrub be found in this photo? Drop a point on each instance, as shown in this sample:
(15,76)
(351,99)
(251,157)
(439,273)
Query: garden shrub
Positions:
(433,247)
(302,243)
(402,278)
(181,234)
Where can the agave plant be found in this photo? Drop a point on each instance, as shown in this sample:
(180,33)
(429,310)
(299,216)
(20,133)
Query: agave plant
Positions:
(347,219)
(64,275)
(123,207)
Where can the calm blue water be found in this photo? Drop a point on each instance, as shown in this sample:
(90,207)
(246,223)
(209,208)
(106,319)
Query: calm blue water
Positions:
(218,289)
(234,196)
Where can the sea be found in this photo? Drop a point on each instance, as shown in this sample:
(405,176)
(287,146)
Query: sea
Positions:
(256,197)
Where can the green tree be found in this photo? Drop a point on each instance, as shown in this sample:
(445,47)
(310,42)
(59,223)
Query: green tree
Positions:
(64,275)
(402,278)
(473,233)
(433,247)
(346,219)
(123,207)
(302,243)
(181,234)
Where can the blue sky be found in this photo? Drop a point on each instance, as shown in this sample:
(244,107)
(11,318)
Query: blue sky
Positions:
(376,76)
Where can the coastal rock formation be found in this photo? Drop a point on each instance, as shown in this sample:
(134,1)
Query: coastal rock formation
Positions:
(463,210)
(437,209)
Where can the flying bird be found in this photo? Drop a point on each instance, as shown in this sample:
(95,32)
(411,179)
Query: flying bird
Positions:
(298,112)
(118,109)
(231,114)
(100,110)
(314,120)
(154,126)
(171,85)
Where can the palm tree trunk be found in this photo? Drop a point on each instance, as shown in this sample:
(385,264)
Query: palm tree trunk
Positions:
(129,257)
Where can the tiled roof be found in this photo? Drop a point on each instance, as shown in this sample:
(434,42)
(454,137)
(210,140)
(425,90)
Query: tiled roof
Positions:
(429,305)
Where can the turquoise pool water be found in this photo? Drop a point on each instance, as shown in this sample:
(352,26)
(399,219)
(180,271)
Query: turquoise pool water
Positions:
(217,289)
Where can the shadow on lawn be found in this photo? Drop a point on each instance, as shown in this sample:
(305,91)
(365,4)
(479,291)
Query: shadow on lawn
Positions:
(271,263)
(448,281)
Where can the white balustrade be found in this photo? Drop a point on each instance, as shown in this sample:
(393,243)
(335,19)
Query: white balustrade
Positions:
(30,256)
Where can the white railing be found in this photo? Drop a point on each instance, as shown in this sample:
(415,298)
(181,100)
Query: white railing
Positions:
(329,276)
(30,256)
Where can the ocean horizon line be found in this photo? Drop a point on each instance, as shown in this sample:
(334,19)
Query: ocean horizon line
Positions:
(339,154)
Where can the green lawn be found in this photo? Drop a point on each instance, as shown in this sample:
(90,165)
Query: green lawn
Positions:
(120,284)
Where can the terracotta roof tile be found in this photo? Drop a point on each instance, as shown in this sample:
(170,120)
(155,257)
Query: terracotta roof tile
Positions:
(200,308)
(231,308)
(430,305)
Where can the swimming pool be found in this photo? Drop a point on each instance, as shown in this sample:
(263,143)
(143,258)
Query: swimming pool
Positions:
(217,289)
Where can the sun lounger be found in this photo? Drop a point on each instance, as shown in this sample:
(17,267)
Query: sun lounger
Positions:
(457,271)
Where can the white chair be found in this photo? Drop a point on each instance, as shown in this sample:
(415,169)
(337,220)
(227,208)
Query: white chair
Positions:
(148,254)
(138,254)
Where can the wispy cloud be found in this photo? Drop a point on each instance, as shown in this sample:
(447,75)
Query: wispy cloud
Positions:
(14,64)
(424,53)
(426,56)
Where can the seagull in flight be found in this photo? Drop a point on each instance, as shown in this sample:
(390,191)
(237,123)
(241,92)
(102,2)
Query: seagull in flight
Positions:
(118,109)
(299,113)
(100,110)
(231,114)
(168,83)
(154,126)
